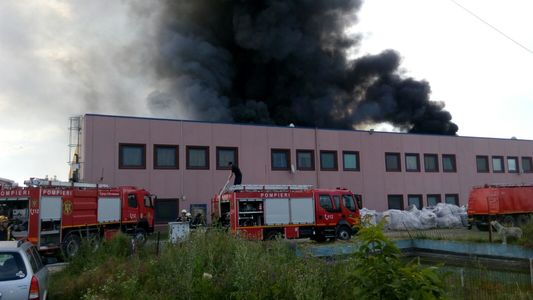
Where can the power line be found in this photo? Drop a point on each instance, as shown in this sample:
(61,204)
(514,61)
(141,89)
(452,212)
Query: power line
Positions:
(493,27)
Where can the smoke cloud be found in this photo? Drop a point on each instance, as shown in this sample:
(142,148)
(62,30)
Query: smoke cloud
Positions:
(281,62)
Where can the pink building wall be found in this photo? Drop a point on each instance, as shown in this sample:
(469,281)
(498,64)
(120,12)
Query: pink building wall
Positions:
(103,134)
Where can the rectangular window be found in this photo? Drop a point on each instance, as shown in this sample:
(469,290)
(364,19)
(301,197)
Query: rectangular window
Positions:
(415,200)
(198,157)
(165,157)
(433,199)
(132,200)
(349,203)
(482,163)
(448,163)
(431,163)
(350,160)
(395,201)
(305,160)
(497,164)
(132,156)
(226,155)
(328,160)
(451,199)
(527,164)
(392,162)
(280,159)
(512,164)
(325,203)
(412,162)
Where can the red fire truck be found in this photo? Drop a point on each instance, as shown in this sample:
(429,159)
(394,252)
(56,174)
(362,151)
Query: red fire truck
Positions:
(57,215)
(508,204)
(263,212)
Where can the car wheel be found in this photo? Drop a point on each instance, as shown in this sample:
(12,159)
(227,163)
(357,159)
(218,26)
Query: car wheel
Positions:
(344,233)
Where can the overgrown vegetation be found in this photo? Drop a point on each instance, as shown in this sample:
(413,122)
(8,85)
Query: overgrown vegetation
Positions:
(215,265)
(527,235)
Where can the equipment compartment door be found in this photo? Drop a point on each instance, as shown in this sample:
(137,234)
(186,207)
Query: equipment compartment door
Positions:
(302,211)
(276,211)
(108,209)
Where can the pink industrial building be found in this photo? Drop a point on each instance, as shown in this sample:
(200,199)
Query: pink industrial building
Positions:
(186,162)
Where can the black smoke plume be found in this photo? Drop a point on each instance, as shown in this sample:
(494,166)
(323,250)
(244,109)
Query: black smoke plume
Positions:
(281,62)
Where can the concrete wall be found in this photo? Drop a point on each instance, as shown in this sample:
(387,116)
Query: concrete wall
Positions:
(103,134)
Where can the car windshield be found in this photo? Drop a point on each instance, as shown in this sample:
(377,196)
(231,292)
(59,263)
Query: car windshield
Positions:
(11,266)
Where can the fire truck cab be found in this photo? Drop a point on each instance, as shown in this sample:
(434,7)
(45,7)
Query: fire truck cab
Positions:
(57,215)
(263,212)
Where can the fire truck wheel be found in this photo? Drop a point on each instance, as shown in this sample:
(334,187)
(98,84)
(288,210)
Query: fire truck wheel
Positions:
(71,245)
(344,233)
(140,236)
(94,241)
(272,235)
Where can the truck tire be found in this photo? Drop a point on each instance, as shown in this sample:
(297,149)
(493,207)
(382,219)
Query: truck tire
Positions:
(344,233)
(71,245)
(140,236)
(272,235)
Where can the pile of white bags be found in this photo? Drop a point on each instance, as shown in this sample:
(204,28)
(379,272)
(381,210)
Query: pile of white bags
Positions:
(443,215)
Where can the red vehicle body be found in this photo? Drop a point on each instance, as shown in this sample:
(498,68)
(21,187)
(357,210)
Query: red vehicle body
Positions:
(292,211)
(508,204)
(58,215)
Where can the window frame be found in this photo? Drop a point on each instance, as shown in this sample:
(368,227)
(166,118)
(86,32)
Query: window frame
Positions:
(121,156)
(456,196)
(235,157)
(188,148)
(320,197)
(453,161)
(486,159)
(529,159)
(438,196)
(398,159)
(335,160)
(287,153)
(300,168)
(357,161)
(517,166)
(502,163)
(156,166)
(436,158)
(402,205)
(417,156)
(134,197)
(420,200)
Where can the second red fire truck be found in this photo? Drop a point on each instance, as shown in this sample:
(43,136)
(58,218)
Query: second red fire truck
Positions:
(58,215)
(292,211)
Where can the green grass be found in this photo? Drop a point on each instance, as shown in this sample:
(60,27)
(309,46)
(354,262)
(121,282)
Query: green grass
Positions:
(209,265)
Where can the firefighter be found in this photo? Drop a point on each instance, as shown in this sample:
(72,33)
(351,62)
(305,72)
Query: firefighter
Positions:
(183,216)
(4,228)
(235,171)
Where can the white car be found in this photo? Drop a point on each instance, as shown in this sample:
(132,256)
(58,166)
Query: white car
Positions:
(22,273)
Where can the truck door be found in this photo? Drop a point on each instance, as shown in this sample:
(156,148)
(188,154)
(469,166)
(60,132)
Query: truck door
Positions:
(327,212)
(131,209)
(350,209)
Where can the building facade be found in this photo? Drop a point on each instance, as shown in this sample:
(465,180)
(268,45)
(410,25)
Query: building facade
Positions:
(185,163)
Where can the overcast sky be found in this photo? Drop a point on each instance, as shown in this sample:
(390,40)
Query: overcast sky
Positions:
(60,59)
